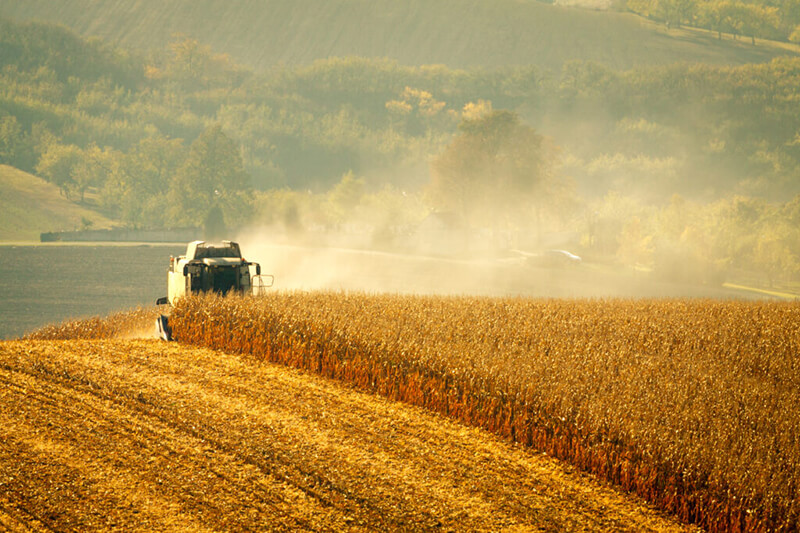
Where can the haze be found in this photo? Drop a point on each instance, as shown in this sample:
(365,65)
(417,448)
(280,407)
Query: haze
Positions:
(448,147)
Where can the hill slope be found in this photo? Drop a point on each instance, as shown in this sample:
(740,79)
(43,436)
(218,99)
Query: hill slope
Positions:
(29,206)
(145,435)
(457,33)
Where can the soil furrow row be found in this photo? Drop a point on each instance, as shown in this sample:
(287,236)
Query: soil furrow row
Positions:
(146,435)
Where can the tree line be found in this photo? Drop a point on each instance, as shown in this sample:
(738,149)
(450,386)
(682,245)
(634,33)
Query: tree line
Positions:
(740,238)
(178,135)
(776,20)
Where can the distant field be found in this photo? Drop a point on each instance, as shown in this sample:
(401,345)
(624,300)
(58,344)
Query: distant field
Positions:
(30,206)
(147,436)
(457,33)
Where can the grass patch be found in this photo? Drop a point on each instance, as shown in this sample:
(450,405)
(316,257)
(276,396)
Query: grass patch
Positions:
(30,206)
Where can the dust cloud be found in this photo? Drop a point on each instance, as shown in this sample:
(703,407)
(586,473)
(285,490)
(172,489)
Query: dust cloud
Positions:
(143,333)
(308,267)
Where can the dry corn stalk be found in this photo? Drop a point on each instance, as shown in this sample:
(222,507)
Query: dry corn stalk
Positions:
(691,404)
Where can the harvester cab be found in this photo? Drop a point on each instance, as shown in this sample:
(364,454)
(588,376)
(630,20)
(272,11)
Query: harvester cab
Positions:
(210,267)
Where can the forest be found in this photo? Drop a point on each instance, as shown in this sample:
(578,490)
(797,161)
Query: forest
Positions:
(686,169)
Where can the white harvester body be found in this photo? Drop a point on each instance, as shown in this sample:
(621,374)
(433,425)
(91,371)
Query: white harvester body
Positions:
(210,267)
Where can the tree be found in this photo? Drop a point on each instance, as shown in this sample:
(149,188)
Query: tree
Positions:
(717,16)
(635,246)
(759,21)
(494,170)
(585,80)
(212,176)
(188,58)
(416,109)
(676,12)
(95,167)
(58,164)
(193,63)
(137,188)
(742,19)
(144,182)
(345,197)
(795,35)
(773,252)
(10,139)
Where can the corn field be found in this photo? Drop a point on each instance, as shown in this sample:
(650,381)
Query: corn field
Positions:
(691,404)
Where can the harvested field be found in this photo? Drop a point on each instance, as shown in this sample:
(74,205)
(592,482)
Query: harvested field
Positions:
(144,435)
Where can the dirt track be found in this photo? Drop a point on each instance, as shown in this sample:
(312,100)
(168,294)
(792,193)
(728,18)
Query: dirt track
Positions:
(144,435)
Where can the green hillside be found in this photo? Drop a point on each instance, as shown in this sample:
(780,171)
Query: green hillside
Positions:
(456,33)
(689,170)
(30,206)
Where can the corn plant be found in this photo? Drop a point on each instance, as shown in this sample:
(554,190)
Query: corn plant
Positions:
(691,404)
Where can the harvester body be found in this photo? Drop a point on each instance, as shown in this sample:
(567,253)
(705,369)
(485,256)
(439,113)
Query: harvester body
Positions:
(210,267)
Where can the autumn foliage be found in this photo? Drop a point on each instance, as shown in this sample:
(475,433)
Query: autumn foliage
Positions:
(688,403)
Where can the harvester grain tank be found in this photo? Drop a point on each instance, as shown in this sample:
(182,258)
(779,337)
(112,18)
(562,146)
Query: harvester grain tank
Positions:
(210,267)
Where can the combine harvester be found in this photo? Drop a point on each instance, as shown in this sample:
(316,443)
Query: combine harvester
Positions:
(215,267)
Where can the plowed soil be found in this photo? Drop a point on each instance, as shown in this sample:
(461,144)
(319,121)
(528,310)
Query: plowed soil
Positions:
(152,436)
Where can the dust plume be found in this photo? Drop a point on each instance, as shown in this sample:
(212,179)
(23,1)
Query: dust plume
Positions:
(318,267)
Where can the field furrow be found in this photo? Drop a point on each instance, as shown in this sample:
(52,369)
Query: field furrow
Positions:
(143,435)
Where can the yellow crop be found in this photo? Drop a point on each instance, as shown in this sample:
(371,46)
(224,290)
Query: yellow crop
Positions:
(137,322)
(691,404)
